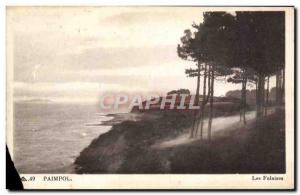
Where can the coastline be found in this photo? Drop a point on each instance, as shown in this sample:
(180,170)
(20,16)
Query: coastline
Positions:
(107,153)
(130,147)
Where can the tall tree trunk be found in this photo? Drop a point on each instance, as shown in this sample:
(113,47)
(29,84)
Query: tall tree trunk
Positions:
(209,85)
(267,98)
(282,86)
(241,103)
(256,92)
(278,89)
(244,99)
(260,96)
(203,102)
(196,102)
(211,102)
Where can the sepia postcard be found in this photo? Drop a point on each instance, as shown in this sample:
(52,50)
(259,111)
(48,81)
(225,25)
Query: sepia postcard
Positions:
(141,97)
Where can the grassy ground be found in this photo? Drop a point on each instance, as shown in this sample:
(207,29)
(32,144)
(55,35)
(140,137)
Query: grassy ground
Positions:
(255,148)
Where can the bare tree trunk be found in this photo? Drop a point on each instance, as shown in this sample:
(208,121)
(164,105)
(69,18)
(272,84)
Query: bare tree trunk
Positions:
(263,97)
(196,102)
(203,103)
(278,89)
(209,86)
(245,100)
(267,98)
(260,96)
(241,103)
(201,117)
(256,91)
(211,103)
(202,121)
(282,86)
(242,100)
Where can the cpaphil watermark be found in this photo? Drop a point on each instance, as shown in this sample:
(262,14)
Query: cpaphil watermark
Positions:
(150,102)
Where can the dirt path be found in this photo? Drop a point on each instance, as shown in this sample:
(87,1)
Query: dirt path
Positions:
(220,126)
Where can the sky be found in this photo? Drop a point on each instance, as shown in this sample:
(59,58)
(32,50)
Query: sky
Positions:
(75,54)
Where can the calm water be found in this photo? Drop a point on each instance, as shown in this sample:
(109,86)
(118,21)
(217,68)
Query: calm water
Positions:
(48,137)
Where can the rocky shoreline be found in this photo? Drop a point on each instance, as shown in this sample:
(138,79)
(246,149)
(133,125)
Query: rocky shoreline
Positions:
(114,151)
(128,147)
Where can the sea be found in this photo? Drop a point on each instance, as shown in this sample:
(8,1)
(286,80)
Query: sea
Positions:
(49,136)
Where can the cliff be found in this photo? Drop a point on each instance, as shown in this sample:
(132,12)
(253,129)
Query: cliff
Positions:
(129,147)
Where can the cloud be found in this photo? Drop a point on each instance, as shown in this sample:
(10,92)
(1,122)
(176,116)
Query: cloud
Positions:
(63,39)
(146,16)
(156,70)
(96,58)
(59,68)
(79,52)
